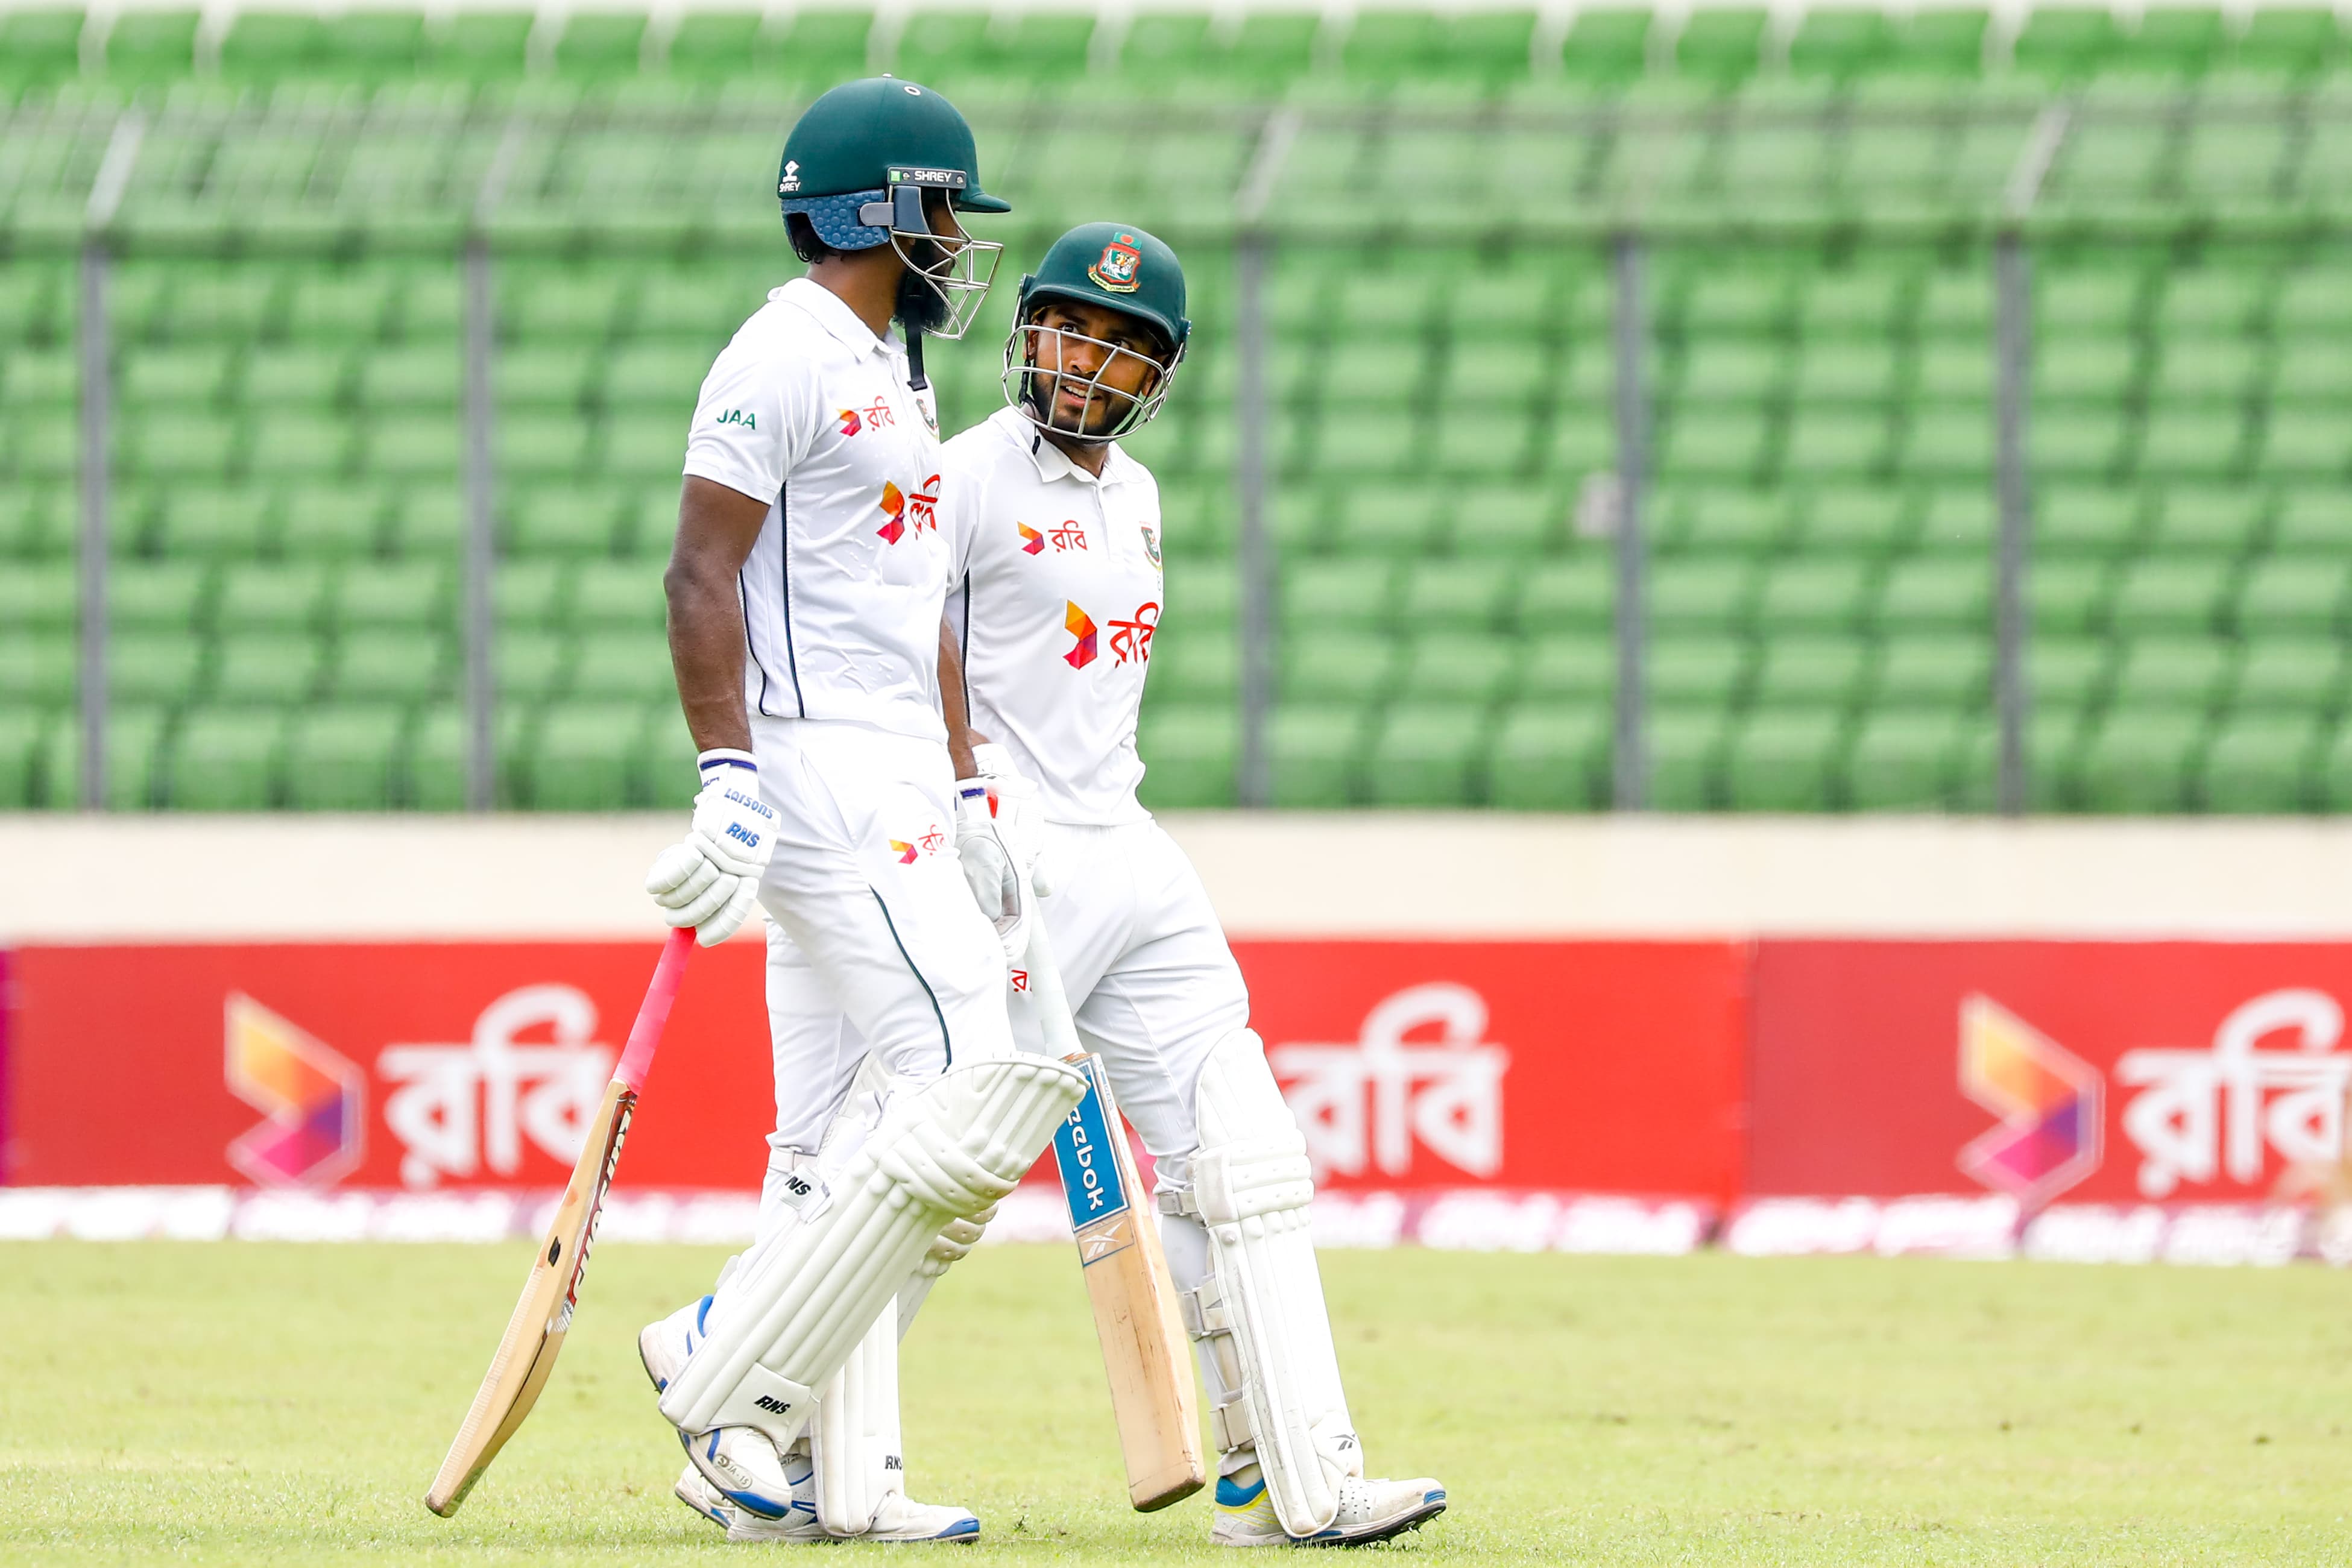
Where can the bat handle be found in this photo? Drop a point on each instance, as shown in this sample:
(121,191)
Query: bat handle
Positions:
(1046,995)
(653,1013)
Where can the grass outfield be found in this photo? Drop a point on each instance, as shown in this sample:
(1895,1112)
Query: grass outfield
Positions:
(250,1404)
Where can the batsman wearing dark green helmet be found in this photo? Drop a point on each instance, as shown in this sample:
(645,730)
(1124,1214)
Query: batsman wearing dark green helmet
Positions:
(805,591)
(1056,602)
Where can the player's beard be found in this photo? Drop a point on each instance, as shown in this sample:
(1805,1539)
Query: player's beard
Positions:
(920,307)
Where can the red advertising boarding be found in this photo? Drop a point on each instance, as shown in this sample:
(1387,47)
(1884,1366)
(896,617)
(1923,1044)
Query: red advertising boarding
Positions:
(1597,1066)
(2090,1072)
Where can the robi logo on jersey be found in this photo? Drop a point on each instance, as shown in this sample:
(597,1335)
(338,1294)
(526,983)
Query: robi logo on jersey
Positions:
(918,511)
(1081,626)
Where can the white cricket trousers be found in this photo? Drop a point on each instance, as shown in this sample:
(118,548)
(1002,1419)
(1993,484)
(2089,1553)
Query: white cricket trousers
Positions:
(875,942)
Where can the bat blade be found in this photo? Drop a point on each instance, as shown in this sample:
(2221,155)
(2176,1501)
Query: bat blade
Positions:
(1134,1299)
(534,1335)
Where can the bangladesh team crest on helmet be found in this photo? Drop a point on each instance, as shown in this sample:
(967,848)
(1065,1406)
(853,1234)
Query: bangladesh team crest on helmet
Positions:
(1120,270)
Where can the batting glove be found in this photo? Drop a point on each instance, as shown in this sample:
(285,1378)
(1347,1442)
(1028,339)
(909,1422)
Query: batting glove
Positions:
(710,879)
(1013,802)
(988,869)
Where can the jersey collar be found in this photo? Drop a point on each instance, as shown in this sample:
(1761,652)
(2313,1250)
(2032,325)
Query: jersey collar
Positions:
(1052,463)
(836,318)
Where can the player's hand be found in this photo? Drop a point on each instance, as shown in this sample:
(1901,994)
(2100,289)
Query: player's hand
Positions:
(710,879)
(988,869)
(1013,802)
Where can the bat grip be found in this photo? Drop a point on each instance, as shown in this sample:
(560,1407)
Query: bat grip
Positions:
(1046,995)
(644,1034)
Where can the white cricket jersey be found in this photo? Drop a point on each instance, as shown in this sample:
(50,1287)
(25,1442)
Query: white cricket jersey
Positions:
(809,412)
(1056,591)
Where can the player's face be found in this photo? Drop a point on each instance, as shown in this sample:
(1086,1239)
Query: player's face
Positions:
(1096,354)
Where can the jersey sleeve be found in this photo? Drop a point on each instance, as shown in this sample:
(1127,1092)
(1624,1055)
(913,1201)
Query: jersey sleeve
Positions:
(963,503)
(754,420)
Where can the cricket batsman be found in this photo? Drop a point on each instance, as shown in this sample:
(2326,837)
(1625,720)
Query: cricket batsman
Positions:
(805,595)
(1055,536)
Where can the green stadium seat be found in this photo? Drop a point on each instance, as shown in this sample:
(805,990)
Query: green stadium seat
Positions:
(1933,593)
(600,44)
(42,379)
(1312,754)
(615,665)
(344,758)
(2292,40)
(2300,675)
(1903,760)
(36,669)
(1940,42)
(228,761)
(2286,593)
(290,442)
(2259,764)
(1457,595)
(1377,373)
(408,596)
(330,522)
(175,446)
(2077,444)
(41,45)
(1865,520)
(21,732)
(377,666)
(1840,44)
(531,664)
(1918,672)
(1784,760)
(2068,596)
(1944,444)
(2185,674)
(160,596)
(1566,669)
(332,308)
(152,45)
(2168,595)
(2092,522)
(1847,372)
(1837,442)
(2209,518)
(1955,370)
(301,375)
(1717,519)
(264,45)
(1322,594)
(153,667)
(1471,670)
(1331,667)
(2201,371)
(645,446)
(2312,370)
(428,375)
(573,521)
(215,522)
(174,377)
(134,743)
(544,376)
(2141,761)
(1714,446)
(1737,301)
(619,595)
(1685,753)
(1699,593)
(237,303)
(1427,754)
(1810,672)
(1190,753)
(1488,376)
(2314,302)
(1548,758)
(2307,443)
(266,669)
(2067,675)
(1831,593)
(2193,444)
(478,44)
(562,309)
(289,597)
(1693,671)
(546,446)
(1607,44)
(1195,665)
(1959,521)
(585,757)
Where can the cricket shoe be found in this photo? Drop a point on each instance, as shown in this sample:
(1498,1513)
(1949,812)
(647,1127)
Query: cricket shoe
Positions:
(742,1465)
(1368,1511)
(740,1524)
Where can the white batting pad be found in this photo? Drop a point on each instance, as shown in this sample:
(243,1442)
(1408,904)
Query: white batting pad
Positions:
(1264,1296)
(855,1447)
(802,1301)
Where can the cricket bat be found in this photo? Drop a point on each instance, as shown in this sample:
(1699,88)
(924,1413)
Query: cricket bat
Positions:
(534,1335)
(1126,1271)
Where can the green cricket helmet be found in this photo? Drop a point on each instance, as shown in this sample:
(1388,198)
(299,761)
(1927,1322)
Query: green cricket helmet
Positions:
(857,165)
(1119,267)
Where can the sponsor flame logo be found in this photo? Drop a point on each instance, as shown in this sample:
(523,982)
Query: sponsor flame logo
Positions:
(2048,1099)
(894,503)
(850,424)
(1079,625)
(315,1098)
(1032,541)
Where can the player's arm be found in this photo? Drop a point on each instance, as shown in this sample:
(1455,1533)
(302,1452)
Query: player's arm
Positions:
(710,879)
(955,706)
(716,529)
